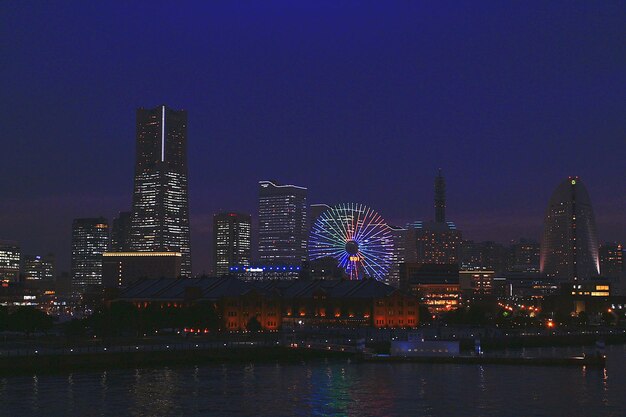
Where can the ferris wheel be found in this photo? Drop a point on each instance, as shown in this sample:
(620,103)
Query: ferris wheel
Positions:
(357,237)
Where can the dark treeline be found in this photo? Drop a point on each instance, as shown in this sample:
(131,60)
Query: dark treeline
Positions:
(125,319)
(25,319)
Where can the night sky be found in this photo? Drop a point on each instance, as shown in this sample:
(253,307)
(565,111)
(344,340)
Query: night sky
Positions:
(359,102)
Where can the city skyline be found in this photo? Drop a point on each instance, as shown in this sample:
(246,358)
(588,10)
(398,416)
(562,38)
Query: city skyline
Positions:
(539,109)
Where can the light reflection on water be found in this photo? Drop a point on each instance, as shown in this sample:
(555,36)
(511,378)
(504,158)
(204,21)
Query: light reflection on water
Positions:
(322,388)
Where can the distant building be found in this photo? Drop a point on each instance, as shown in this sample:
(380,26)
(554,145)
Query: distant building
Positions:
(399,236)
(435,242)
(476,284)
(436,285)
(316,210)
(231,241)
(527,285)
(484,255)
(283,225)
(323,268)
(569,249)
(286,304)
(160,215)
(90,239)
(611,260)
(495,256)
(39,267)
(9,261)
(120,269)
(121,232)
(268,272)
(525,256)
(470,255)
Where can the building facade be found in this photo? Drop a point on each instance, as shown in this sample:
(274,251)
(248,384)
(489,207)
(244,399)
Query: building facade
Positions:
(569,249)
(160,215)
(231,241)
(283,224)
(437,286)
(435,242)
(120,269)
(90,239)
(286,304)
(259,273)
(399,236)
(525,256)
(120,232)
(9,261)
(37,267)
(611,260)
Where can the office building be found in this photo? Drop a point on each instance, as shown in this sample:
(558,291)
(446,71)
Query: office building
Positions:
(120,232)
(9,261)
(160,215)
(569,249)
(283,226)
(436,285)
(525,256)
(90,239)
(120,269)
(231,241)
(399,236)
(476,284)
(611,260)
(40,268)
(316,210)
(435,242)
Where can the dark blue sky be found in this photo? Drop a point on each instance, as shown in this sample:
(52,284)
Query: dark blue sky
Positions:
(359,101)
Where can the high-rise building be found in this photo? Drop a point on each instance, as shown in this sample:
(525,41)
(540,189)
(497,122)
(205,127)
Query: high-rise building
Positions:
(90,239)
(435,242)
(470,255)
(525,256)
(160,216)
(283,226)
(611,260)
(120,232)
(231,241)
(399,236)
(9,260)
(39,268)
(316,210)
(569,249)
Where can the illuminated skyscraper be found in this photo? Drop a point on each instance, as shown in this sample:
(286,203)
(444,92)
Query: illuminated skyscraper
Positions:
(160,216)
(9,260)
(90,239)
(569,249)
(283,227)
(231,241)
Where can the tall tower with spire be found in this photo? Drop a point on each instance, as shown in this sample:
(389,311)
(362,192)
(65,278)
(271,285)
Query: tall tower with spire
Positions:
(440,198)
(434,242)
(160,215)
